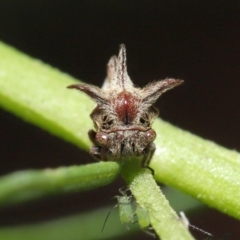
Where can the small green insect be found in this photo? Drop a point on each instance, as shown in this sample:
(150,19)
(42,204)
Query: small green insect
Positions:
(124,204)
(143,217)
(131,212)
(126,211)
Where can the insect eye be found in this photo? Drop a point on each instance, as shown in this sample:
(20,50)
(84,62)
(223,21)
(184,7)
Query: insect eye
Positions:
(151,135)
(101,138)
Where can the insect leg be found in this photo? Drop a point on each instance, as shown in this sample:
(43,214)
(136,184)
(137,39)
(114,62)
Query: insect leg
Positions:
(149,151)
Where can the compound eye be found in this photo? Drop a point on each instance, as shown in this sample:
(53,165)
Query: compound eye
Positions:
(150,135)
(101,138)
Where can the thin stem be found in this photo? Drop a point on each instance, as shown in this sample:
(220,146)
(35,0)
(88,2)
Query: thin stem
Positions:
(25,185)
(148,195)
(198,167)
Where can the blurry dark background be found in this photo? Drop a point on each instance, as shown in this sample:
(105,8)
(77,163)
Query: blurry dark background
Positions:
(198,41)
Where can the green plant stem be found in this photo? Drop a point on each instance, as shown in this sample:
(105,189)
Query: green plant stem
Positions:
(38,93)
(25,185)
(198,167)
(148,195)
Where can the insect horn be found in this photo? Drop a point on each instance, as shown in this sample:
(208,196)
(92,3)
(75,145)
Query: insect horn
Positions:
(155,89)
(92,91)
(117,70)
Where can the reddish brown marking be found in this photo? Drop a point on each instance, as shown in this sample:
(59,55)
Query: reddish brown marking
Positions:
(126,107)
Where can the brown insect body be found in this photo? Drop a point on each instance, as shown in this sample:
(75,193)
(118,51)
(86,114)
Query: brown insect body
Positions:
(124,113)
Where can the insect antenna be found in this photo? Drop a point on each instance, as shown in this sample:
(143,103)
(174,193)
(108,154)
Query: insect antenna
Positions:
(187,224)
(105,221)
(210,236)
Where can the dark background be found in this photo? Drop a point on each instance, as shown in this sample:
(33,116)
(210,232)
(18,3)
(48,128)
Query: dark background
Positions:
(198,41)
